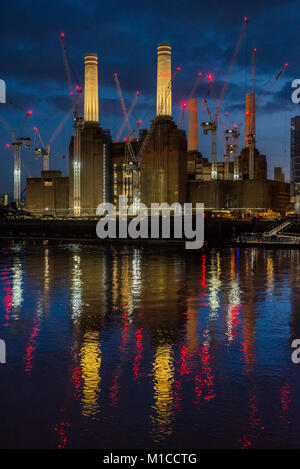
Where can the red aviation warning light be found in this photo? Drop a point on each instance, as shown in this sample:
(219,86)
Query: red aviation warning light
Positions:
(254,50)
(178,69)
(137,93)
(286,65)
(35,129)
(139,122)
(209,77)
(125,139)
(200,74)
(62,35)
(184,105)
(29,113)
(7,145)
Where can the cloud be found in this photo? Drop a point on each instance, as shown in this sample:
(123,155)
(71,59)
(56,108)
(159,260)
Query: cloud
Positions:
(125,36)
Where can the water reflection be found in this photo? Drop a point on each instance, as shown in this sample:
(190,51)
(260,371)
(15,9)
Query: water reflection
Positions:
(163,347)
(163,379)
(76,287)
(90,362)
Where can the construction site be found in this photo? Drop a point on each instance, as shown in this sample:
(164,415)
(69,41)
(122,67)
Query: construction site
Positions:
(155,165)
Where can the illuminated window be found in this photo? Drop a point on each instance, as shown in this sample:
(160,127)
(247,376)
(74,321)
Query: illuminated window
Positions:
(48,182)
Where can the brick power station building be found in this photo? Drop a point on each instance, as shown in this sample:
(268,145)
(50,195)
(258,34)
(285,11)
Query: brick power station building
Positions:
(170,167)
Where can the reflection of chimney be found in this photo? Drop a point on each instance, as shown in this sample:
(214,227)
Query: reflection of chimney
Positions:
(91,98)
(193,125)
(249,117)
(163,93)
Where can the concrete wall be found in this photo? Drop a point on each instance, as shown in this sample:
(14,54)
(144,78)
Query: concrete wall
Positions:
(254,194)
(164,164)
(260,165)
(92,140)
(48,194)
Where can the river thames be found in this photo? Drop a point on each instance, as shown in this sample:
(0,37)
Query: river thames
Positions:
(148,348)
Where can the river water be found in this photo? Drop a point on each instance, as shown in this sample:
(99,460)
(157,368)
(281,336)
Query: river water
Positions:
(148,348)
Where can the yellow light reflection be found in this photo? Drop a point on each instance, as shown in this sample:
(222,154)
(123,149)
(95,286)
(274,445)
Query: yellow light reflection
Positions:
(270,274)
(90,361)
(163,369)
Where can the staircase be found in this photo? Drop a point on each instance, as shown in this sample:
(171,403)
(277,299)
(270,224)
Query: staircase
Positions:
(283,224)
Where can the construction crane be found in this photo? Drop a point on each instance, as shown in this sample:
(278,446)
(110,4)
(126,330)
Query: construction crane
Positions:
(131,172)
(133,104)
(78,128)
(133,161)
(212,125)
(130,167)
(251,138)
(15,147)
(272,84)
(185,103)
(44,150)
(232,135)
(135,132)
(233,61)
(232,148)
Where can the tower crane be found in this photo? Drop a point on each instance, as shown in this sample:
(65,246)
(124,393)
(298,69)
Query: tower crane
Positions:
(130,157)
(130,168)
(273,83)
(232,135)
(138,124)
(251,138)
(232,148)
(191,95)
(78,128)
(44,150)
(131,171)
(133,104)
(16,145)
(212,125)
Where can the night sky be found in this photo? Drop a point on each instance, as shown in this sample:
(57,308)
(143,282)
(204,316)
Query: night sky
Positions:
(125,35)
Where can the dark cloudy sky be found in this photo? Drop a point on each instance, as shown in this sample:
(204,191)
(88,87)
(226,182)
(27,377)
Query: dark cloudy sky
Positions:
(125,35)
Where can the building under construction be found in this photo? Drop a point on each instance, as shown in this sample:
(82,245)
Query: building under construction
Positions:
(161,164)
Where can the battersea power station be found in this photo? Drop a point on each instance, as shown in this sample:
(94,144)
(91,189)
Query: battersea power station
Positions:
(162,164)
